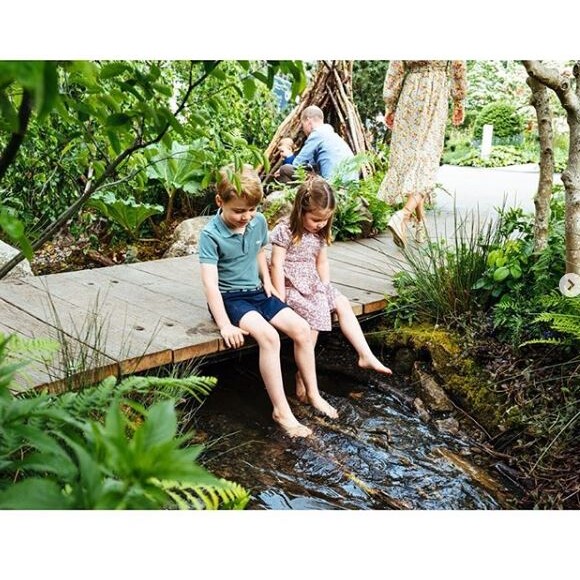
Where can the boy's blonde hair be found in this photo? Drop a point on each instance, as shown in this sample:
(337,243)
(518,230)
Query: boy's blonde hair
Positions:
(249,182)
(313,194)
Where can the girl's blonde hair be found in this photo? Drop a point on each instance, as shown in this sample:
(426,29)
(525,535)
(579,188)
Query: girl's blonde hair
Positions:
(314,194)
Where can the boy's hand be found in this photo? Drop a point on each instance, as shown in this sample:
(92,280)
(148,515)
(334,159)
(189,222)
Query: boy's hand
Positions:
(270,289)
(233,336)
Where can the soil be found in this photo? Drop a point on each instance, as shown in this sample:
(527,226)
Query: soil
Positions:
(67,253)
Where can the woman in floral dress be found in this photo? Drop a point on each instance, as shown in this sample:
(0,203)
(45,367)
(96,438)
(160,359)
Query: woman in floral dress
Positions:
(416,95)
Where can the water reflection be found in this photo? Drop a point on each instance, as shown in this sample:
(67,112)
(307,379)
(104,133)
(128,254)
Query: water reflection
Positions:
(378,455)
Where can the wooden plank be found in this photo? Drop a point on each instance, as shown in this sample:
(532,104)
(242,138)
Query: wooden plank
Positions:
(156,313)
(46,370)
(64,303)
(178,322)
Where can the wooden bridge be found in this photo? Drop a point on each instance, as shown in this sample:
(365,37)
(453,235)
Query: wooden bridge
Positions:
(128,318)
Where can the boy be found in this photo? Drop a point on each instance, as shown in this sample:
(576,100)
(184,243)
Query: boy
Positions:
(242,299)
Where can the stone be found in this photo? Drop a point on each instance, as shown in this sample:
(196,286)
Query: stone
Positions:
(429,390)
(186,237)
(21,270)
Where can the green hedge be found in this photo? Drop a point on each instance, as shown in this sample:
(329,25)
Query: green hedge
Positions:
(506,121)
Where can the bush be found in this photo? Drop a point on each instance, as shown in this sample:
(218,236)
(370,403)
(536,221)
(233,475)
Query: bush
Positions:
(506,121)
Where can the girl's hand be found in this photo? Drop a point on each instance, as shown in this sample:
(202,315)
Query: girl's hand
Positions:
(233,336)
(389,119)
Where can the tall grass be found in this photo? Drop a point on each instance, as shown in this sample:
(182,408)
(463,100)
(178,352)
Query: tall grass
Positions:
(437,283)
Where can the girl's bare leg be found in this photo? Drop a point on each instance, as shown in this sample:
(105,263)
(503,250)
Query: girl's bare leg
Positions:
(269,360)
(300,386)
(299,331)
(350,327)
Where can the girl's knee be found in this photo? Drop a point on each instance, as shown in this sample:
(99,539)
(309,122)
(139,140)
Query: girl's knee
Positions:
(300,330)
(341,304)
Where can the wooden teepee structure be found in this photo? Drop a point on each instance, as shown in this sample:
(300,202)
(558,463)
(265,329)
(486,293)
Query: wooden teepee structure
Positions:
(331,90)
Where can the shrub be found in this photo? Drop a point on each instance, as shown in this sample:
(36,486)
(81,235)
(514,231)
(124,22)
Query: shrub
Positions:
(506,121)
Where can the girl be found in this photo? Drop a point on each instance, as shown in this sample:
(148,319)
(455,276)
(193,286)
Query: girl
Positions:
(301,276)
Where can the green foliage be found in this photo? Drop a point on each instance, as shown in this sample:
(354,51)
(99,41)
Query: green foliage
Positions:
(368,77)
(520,299)
(438,285)
(126,213)
(500,156)
(503,116)
(562,315)
(14,228)
(493,80)
(103,448)
(97,116)
(505,266)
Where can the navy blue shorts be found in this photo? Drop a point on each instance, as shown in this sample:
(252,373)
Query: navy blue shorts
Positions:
(240,302)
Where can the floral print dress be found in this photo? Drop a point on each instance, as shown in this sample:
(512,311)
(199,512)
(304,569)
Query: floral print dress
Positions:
(306,294)
(418,91)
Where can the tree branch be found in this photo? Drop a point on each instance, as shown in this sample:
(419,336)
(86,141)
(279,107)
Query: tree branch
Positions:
(91,187)
(17,137)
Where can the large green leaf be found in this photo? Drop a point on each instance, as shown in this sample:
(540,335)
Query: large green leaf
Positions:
(34,494)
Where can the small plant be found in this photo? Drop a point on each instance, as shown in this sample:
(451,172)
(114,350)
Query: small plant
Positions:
(126,213)
(505,267)
(439,283)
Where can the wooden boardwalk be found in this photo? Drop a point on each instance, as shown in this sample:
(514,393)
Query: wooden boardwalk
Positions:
(128,318)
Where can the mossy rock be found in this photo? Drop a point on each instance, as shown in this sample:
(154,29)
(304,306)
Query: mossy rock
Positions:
(460,375)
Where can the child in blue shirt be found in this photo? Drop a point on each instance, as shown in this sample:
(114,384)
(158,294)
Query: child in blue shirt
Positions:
(243,300)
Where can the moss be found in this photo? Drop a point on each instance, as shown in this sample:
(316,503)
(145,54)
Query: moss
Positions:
(460,375)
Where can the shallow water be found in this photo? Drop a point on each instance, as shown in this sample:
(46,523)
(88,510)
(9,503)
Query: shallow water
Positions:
(378,455)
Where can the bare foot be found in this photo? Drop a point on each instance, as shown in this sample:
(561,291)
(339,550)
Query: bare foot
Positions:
(300,389)
(374,364)
(292,427)
(323,406)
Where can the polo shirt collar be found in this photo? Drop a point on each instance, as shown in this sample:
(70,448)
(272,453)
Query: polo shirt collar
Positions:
(223,228)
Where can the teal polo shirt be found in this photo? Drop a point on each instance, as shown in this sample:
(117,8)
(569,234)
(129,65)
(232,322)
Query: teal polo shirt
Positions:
(234,254)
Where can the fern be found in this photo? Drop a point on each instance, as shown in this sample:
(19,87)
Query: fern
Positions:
(563,318)
(225,495)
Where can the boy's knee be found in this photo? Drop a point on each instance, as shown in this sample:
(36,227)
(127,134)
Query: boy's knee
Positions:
(269,338)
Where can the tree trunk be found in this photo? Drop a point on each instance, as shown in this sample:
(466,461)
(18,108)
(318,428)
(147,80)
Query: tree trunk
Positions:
(541,102)
(570,99)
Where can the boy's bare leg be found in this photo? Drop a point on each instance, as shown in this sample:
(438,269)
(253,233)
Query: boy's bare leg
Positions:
(300,386)
(351,329)
(299,331)
(270,369)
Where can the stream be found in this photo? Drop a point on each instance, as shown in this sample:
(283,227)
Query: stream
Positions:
(379,454)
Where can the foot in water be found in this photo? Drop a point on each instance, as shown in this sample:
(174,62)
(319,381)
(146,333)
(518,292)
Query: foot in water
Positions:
(374,364)
(323,406)
(292,427)
(300,388)
(317,402)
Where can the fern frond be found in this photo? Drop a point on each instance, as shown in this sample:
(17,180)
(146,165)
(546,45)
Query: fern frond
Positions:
(553,341)
(19,348)
(225,495)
